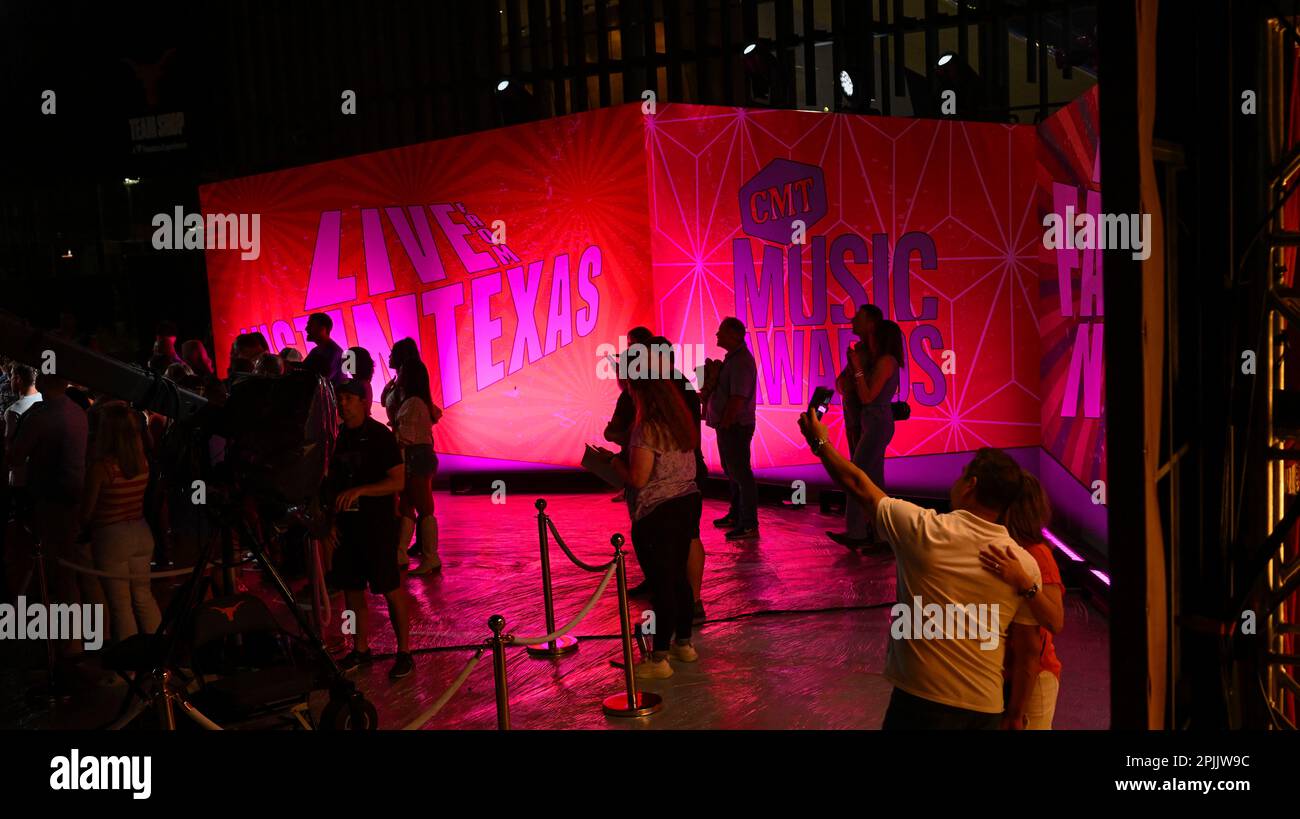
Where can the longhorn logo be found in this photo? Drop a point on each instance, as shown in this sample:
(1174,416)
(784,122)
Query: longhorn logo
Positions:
(229,611)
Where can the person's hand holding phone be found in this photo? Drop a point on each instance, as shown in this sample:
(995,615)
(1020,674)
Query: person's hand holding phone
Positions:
(812,428)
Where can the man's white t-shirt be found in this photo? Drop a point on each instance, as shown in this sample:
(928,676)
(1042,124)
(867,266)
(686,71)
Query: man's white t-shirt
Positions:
(938,561)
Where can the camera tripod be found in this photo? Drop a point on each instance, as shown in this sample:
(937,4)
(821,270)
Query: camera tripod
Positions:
(153,687)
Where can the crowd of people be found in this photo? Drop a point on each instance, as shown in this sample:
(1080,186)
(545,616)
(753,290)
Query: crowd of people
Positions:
(82,484)
(988,550)
(79,477)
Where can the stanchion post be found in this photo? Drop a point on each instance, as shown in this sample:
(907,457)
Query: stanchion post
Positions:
(629,703)
(497,623)
(52,693)
(163,701)
(563,645)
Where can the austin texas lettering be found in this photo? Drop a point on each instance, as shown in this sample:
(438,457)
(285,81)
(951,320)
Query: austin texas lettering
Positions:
(572,303)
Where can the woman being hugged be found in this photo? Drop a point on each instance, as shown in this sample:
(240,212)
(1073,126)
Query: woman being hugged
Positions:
(1031,664)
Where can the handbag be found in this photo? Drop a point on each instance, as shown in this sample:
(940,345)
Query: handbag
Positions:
(901,409)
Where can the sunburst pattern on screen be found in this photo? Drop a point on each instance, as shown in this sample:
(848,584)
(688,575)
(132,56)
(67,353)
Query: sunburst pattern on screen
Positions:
(970,186)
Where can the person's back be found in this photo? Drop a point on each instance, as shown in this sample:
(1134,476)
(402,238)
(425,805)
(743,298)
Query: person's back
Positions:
(54,439)
(939,565)
(121,498)
(326,360)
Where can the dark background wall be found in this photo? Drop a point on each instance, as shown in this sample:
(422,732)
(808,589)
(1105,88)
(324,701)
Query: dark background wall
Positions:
(256,86)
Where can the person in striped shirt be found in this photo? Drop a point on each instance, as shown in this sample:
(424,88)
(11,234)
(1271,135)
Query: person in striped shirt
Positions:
(113,507)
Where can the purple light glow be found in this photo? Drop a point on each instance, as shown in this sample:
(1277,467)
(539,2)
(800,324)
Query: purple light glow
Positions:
(1066,549)
(1101,576)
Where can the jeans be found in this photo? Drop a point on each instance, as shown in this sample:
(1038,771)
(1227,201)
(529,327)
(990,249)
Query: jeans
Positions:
(125,548)
(869,456)
(1041,707)
(911,713)
(664,537)
(734,452)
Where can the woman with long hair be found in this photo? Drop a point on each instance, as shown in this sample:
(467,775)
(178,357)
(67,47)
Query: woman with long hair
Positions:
(874,382)
(413,423)
(1032,666)
(403,350)
(195,355)
(660,468)
(113,506)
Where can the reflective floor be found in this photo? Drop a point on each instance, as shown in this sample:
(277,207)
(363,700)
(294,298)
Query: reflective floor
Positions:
(796,633)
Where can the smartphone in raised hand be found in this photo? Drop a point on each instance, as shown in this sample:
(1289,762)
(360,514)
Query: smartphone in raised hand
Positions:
(821,400)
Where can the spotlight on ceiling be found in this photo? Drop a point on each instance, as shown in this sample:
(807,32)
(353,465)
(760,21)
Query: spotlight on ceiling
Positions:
(945,58)
(515,104)
(765,79)
(846,83)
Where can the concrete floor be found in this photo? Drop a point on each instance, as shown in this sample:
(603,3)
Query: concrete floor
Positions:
(796,638)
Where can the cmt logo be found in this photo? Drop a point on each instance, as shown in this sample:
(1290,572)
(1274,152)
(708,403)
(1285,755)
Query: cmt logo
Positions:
(779,195)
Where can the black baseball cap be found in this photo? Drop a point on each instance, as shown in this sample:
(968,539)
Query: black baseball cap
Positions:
(354,386)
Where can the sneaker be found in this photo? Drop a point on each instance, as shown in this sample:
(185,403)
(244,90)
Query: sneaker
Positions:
(654,670)
(683,653)
(355,659)
(402,666)
(698,619)
(725,522)
(743,534)
(430,566)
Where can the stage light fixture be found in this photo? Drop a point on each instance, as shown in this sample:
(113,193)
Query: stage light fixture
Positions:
(515,104)
(130,181)
(945,58)
(762,71)
(846,83)
(67,254)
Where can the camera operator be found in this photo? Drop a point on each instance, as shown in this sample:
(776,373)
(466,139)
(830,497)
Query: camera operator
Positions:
(366,474)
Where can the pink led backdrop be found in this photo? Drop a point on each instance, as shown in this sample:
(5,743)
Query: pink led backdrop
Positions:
(933,221)
(614,219)
(1072,308)
(389,244)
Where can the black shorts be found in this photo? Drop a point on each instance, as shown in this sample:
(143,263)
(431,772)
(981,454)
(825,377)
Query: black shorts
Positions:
(420,460)
(364,554)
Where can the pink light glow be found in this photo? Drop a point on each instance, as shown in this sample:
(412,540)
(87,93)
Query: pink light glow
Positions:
(1066,549)
(1101,576)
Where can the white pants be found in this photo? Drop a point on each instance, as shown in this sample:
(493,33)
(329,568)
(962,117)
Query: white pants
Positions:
(1041,707)
(121,549)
